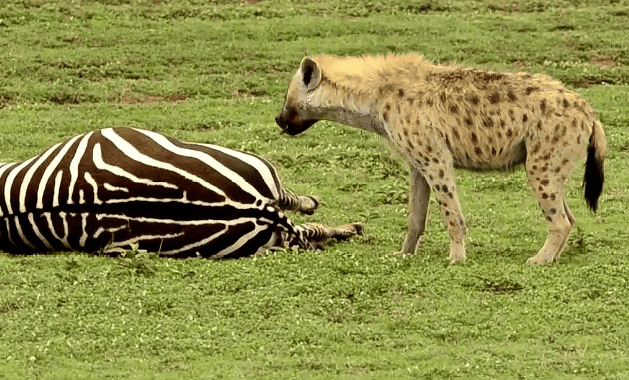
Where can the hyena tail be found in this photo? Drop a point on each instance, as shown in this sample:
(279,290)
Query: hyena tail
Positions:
(594,166)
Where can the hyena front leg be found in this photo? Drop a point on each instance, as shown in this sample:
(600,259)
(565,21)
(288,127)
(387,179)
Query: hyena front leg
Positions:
(439,173)
(420,196)
(303,204)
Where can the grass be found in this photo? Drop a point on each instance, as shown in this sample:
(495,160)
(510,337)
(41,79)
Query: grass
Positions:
(217,71)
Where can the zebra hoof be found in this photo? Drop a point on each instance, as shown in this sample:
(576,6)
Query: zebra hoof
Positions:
(311,208)
(358,227)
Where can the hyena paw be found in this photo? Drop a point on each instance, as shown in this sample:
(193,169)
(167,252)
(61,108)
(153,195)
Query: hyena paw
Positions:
(539,260)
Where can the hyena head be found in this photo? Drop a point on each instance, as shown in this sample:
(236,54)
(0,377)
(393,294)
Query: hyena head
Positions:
(296,116)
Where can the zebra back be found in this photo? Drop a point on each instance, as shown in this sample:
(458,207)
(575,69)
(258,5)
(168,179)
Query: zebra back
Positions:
(118,186)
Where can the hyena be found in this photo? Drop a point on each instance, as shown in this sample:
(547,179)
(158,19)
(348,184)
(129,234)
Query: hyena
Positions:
(441,117)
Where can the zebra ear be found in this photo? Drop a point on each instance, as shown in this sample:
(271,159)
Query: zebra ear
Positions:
(310,73)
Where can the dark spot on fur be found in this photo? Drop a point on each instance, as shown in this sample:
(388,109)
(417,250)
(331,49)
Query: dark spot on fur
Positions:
(385,116)
(442,96)
(437,187)
(441,173)
(429,102)
(502,123)
(451,195)
(454,108)
(435,160)
(555,139)
(447,213)
(546,157)
(493,151)
(552,211)
(474,99)
(430,177)
(534,167)
(468,120)
(544,182)
(552,197)
(387,106)
(499,134)
(557,169)
(400,93)
(512,115)
(544,168)
(549,218)
(456,135)
(544,195)
(566,103)
(448,144)
(531,89)
(509,132)
(578,139)
(494,98)
(474,138)
(539,125)
(411,100)
(478,151)
(564,161)
(411,145)
(444,188)
(488,122)
(428,148)
(525,117)
(511,95)
(542,105)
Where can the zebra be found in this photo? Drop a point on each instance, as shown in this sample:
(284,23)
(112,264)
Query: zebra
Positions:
(123,187)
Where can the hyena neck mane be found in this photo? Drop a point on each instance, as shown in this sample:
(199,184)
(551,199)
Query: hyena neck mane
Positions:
(352,90)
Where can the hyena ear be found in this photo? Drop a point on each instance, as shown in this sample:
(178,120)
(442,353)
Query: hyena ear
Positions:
(310,73)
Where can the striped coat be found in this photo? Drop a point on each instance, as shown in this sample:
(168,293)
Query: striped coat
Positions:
(118,186)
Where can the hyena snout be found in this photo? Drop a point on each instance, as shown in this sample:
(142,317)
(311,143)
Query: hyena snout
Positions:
(292,124)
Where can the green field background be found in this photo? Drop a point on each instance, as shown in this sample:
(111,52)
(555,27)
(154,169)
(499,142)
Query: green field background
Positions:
(217,72)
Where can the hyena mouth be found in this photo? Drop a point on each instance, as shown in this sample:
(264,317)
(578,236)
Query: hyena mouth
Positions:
(293,129)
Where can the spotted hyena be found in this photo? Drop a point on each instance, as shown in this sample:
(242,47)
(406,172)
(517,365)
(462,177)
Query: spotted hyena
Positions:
(441,117)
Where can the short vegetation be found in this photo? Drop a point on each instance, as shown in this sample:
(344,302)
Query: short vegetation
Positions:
(217,72)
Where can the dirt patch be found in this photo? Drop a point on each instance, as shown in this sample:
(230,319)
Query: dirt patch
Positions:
(603,61)
(249,93)
(127,98)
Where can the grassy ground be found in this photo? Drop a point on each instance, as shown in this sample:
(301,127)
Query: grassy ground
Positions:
(217,72)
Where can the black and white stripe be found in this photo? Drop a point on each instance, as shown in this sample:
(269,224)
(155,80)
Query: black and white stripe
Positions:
(118,186)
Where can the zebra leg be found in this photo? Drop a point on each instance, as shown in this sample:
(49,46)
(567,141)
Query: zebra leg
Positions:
(310,236)
(303,204)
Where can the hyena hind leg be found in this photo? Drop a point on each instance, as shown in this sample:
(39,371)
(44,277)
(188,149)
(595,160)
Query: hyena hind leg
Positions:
(293,202)
(550,194)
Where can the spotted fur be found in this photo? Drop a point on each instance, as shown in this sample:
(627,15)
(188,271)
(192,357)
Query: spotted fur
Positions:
(440,117)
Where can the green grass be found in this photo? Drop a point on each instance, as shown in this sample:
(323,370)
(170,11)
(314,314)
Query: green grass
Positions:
(217,72)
